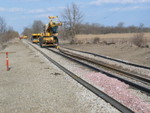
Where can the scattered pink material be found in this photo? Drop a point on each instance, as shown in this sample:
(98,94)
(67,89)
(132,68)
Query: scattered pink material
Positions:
(120,91)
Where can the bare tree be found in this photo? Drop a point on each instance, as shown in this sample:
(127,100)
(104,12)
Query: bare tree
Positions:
(72,17)
(3,27)
(37,26)
(6,32)
(139,40)
(27,32)
(120,24)
(141,27)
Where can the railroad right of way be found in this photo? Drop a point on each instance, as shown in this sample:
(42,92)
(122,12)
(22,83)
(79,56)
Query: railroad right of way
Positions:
(34,85)
(82,71)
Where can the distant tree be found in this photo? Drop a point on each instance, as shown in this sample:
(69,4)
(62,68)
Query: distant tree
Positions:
(8,35)
(95,28)
(27,32)
(120,27)
(3,24)
(141,27)
(37,26)
(72,17)
(120,24)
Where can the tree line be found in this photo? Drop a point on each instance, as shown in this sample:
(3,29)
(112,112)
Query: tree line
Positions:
(6,32)
(73,25)
(99,29)
(37,27)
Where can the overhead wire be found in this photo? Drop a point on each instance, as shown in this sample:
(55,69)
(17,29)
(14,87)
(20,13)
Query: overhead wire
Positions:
(116,12)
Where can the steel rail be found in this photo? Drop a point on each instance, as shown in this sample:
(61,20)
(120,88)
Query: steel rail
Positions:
(93,89)
(142,79)
(109,58)
(131,83)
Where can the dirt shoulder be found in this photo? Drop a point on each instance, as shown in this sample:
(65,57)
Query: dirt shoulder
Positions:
(123,51)
(33,85)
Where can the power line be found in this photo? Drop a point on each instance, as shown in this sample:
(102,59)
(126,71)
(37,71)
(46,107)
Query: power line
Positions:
(119,10)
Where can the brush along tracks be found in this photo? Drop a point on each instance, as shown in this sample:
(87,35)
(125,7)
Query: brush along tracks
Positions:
(90,87)
(137,81)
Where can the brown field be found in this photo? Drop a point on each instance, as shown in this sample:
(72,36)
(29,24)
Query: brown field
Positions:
(118,46)
(110,37)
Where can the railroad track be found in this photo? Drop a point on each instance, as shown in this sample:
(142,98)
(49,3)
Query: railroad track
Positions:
(131,78)
(112,59)
(90,87)
(130,82)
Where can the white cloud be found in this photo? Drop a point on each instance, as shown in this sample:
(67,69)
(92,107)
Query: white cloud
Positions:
(98,2)
(49,9)
(26,0)
(45,10)
(11,10)
(31,11)
(15,10)
(43,16)
(2,9)
(37,11)
(129,8)
(25,10)
(62,8)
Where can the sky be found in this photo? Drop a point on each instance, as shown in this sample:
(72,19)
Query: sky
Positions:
(21,13)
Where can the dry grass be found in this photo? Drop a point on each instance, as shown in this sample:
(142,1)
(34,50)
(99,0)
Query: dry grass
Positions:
(109,38)
(139,40)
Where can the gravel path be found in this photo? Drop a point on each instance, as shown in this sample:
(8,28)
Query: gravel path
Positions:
(35,86)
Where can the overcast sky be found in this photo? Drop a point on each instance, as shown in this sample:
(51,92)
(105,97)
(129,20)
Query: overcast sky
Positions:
(21,13)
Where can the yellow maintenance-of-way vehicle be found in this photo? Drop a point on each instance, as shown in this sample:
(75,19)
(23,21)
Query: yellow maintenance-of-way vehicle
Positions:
(35,37)
(25,37)
(50,33)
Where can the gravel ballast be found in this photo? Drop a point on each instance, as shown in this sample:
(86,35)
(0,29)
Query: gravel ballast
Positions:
(121,92)
(123,51)
(137,70)
(33,85)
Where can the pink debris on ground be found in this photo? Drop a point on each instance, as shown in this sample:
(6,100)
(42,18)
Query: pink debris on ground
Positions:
(119,91)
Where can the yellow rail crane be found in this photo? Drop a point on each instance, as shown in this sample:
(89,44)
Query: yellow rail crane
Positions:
(35,37)
(50,33)
(25,37)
